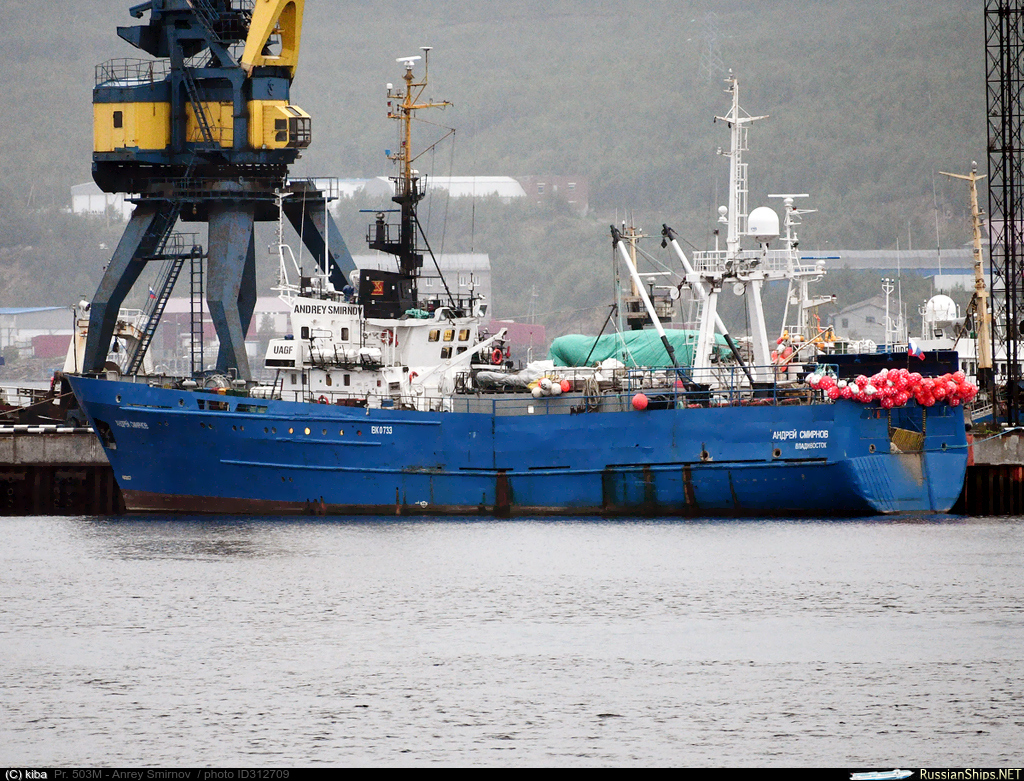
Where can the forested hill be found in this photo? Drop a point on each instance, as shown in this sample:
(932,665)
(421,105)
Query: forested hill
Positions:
(866,98)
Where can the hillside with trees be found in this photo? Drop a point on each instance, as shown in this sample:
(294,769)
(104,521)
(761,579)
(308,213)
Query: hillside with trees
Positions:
(866,99)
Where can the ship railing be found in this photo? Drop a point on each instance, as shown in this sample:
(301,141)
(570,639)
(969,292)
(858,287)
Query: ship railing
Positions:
(325,187)
(131,72)
(981,412)
(613,401)
(774,260)
(662,389)
(499,405)
(24,397)
(725,385)
(203,189)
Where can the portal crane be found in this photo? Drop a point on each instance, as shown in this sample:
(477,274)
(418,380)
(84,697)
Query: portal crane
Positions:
(205,132)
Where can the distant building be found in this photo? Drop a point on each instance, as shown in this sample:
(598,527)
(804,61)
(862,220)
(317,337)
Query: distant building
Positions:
(948,268)
(504,187)
(574,190)
(88,198)
(36,330)
(863,320)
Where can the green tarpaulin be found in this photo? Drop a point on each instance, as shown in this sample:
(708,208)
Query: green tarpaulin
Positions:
(633,348)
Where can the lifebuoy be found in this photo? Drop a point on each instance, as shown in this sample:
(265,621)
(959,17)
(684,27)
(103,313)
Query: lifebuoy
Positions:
(496,356)
(322,400)
(387,336)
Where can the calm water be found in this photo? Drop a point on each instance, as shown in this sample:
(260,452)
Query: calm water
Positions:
(296,642)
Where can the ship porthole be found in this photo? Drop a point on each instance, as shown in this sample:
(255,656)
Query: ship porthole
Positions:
(181,402)
(871,448)
(118,398)
(776,453)
(943,445)
(307,431)
(291,431)
(705,455)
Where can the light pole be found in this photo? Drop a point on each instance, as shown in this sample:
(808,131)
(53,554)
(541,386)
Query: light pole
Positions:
(888,287)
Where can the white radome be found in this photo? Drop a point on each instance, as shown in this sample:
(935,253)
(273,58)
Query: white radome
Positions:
(763,224)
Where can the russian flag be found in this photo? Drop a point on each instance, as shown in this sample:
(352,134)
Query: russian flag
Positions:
(914,350)
(151,293)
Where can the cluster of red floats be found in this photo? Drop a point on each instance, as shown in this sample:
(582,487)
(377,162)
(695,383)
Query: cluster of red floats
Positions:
(895,387)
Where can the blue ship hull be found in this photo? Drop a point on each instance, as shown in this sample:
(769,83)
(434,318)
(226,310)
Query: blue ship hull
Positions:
(176,450)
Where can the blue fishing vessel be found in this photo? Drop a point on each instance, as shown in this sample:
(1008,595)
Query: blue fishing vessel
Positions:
(387,402)
(180,450)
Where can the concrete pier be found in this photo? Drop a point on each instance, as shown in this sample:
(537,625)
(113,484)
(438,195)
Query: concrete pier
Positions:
(55,470)
(994,484)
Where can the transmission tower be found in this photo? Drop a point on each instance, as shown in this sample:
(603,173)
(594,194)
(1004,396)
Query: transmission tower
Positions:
(711,67)
(1004,68)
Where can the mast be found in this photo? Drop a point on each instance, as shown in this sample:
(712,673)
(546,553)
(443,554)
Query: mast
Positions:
(410,187)
(738,122)
(633,305)
(980,294)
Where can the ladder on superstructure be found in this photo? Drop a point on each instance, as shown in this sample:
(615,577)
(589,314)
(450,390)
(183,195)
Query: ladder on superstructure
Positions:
(169,274)
(196,316)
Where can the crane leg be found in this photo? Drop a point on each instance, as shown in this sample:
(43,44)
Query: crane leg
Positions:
(231,247)
(140,238)
(320,235)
